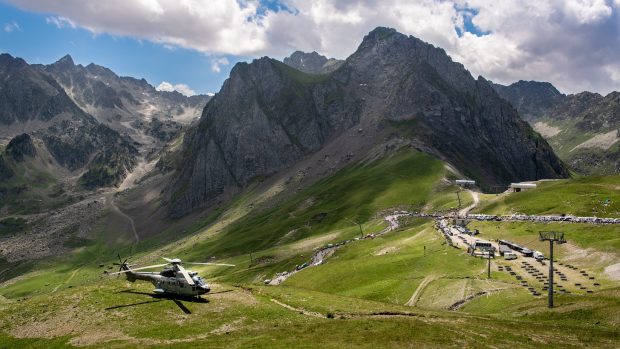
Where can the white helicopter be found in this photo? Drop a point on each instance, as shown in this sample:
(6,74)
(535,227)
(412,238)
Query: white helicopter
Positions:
(173,280)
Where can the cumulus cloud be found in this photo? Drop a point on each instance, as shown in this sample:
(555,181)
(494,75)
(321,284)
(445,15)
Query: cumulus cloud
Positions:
(60,22)
(11,27)
(216,64)
(181,88)
(572,43)
(218,26)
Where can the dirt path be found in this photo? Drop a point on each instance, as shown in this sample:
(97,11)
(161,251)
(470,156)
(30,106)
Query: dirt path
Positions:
(459,304)
(466,210)
(298,310)
(322,254)
(66,281)
(109,198)
(418,291)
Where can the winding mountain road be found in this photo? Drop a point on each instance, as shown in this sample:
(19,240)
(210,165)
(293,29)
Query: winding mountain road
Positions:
(466,210)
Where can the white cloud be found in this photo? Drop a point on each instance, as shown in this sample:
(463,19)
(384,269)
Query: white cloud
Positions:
(11,27)
(572,43)
(60,22)
(217,62)
(218,26)
(181,88)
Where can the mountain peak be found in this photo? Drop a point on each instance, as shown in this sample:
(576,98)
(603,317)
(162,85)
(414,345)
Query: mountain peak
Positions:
(6,60)
(539,85)
(65,62)
(312,63)
(67,59)
(380,33)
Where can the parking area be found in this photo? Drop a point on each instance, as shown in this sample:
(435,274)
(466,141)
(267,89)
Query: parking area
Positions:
(526,271)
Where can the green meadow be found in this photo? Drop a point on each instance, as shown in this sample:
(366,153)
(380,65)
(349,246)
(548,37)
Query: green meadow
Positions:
(402,289)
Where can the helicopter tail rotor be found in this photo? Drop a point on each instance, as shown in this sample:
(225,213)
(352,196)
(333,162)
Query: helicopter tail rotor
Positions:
(122,265)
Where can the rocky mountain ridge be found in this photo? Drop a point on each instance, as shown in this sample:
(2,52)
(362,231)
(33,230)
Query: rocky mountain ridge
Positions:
(582,128)
(312,63)
(531,98)
(33,102)
(130,106)
(91,120)
(269,116)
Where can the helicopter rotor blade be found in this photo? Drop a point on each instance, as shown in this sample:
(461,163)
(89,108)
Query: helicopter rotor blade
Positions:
(135,269)
(167,259)
(222,264)
(185,275)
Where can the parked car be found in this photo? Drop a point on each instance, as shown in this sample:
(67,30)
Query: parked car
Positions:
(538,256)
(510,255)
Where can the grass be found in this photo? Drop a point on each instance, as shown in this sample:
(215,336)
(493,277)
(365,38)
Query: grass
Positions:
(585,196)
(355,193)
(390,268)
(32,189)
(364,285)
(118,315)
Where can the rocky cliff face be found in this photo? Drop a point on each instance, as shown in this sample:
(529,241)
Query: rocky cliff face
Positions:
(312,63)
(129,106)
(20,147)
(531,98)
(589,136)
(582,128)
(27,95)
(268,116)
(32,101)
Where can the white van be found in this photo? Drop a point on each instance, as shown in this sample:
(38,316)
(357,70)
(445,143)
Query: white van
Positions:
(538,256)
(510,255)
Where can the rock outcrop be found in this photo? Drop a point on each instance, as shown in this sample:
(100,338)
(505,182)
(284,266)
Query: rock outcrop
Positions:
(32,100)
(531,98)
(582,128)
(20,147)
(312,63)
(127,105)
(268,116)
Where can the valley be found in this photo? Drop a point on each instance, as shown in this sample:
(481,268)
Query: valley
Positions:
(329,185)
(401,276)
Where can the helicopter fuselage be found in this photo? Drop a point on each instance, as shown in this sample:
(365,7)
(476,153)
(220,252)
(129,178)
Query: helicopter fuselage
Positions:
(171,282)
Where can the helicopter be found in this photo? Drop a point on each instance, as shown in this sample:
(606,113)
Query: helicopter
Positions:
(173,280)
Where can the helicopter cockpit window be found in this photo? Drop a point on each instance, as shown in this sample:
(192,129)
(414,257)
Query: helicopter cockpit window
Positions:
(167,273)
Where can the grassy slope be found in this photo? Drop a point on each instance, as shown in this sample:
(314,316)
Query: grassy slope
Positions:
(361,278)
(243,319)
(32,189)
(585,196)
(564,142)
(389,268)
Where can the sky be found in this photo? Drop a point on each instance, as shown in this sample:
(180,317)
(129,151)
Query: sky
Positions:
(191,45)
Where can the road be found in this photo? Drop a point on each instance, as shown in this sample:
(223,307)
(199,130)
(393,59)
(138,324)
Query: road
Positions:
(476,199)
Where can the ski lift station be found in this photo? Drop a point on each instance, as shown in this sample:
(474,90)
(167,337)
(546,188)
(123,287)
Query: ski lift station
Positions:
(516,187)
(466,183)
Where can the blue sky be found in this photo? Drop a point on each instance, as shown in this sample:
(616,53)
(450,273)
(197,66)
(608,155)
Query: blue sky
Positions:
(37,41)
(32,37)
(573,44)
